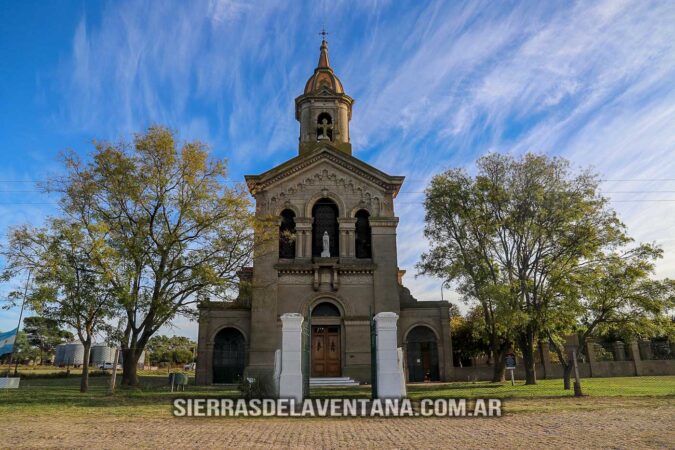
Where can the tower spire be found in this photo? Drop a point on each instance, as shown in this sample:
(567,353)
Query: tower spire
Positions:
(323,56)
(323,109)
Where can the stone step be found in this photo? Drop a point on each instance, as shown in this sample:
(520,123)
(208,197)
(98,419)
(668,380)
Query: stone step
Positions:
(332,381)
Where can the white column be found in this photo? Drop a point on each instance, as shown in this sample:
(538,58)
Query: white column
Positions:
(290,381)
(388,374)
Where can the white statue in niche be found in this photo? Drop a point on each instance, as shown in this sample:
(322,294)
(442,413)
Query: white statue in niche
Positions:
(326,245)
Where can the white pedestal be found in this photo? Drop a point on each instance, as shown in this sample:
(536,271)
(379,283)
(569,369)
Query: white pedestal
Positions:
(277,371)
(290,381)
(388,374)
(401,372)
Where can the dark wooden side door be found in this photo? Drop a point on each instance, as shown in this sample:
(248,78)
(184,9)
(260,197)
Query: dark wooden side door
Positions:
(326,351)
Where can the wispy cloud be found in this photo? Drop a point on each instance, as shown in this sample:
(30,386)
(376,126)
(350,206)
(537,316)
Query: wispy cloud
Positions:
(437,84)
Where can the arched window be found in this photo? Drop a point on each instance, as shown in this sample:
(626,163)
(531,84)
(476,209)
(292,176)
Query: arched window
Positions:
(324,127)
(229,356)
(363,240)
(325,214)
(422,355)
(325,309)
(287,234)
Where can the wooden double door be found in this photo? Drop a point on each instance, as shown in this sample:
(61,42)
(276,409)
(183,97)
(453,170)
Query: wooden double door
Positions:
(326,361)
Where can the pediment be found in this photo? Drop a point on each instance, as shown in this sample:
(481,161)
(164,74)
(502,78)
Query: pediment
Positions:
(325,154)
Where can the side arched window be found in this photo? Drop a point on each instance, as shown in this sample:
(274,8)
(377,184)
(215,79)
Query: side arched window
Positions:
(287,234)
(363,240)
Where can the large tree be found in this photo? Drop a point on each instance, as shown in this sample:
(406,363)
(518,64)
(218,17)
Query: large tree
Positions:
(171,231)
(512,236)
(461,238)
(67,287)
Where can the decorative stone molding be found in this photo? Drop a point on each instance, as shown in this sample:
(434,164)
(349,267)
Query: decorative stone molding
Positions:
(360,279)
(376,222)
(261,182)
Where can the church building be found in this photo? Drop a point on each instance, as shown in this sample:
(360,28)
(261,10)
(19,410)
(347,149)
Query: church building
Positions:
(333,257)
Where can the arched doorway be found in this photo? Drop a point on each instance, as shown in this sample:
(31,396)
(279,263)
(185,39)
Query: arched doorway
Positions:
(422,355)
(229,356)
(326,341)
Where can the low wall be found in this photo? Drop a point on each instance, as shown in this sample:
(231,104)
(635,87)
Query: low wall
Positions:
(628,363)
(605,369)
(483,372)
(658,367)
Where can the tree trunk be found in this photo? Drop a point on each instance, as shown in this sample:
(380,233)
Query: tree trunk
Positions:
(498,373)
(565,361)
(84,381)
(526,343)
(130,366)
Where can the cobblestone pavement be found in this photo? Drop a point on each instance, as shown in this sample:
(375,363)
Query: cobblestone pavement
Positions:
(632,428)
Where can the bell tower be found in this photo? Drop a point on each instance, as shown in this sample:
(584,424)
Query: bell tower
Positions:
(324,110)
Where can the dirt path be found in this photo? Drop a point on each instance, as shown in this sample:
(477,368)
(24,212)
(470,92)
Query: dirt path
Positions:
(630,428)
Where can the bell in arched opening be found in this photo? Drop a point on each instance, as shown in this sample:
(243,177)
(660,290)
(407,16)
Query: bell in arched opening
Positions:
(324,127)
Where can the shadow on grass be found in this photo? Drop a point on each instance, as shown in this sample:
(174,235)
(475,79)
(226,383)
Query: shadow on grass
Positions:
(65,392)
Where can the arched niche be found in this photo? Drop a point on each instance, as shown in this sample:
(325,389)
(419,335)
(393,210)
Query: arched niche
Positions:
(325,213)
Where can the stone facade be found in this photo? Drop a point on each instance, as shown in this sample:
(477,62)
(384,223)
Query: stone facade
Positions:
(322,191)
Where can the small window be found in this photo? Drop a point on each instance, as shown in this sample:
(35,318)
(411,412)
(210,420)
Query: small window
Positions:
(287,235)
(363,239)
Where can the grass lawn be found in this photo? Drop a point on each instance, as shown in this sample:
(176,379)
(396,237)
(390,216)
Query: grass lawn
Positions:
(596,387)
(61,395)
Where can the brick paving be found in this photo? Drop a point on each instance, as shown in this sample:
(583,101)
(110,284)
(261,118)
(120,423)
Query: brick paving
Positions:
(632,428)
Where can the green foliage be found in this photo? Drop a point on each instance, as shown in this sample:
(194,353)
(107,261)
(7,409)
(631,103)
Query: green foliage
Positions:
(23,350)
(618,297)
(533,243)
(174,349)
(45,334)
(469,339)
(162,229)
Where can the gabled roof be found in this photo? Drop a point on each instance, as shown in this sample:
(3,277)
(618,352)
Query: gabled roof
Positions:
(257,183)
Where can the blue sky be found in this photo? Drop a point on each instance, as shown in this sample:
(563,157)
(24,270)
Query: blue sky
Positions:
(437,84)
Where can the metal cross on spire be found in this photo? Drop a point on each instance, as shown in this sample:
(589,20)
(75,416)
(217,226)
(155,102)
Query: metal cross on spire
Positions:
(323,33)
